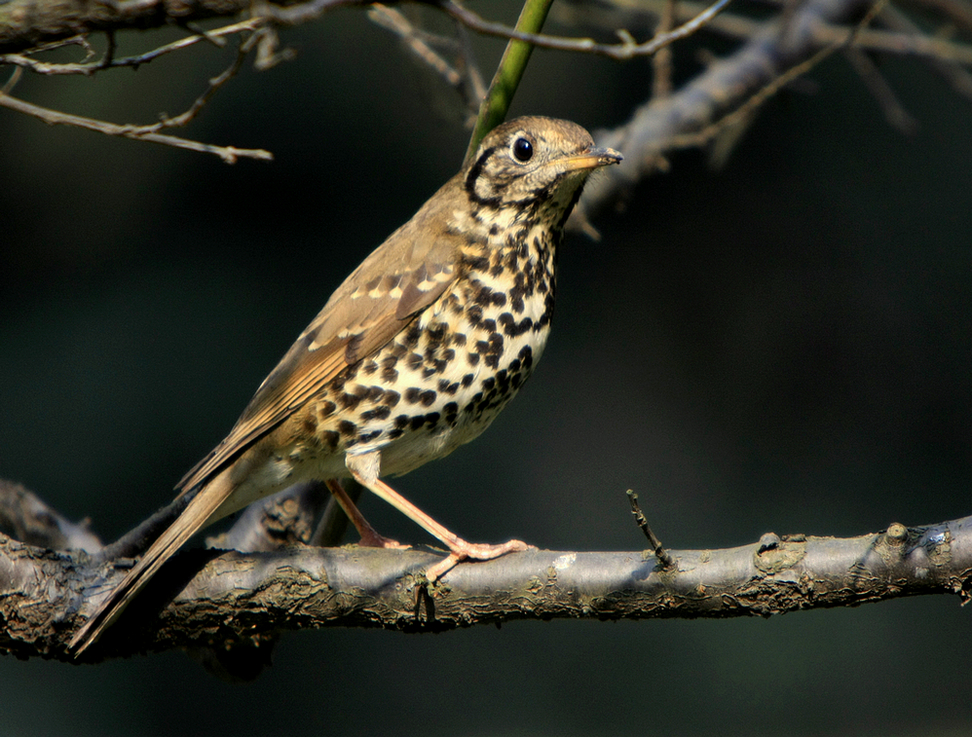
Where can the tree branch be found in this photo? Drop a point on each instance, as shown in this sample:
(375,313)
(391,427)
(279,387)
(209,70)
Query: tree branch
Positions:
(231,599)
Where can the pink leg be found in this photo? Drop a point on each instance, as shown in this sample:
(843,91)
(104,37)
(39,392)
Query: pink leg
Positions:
(369,536)
(459,549)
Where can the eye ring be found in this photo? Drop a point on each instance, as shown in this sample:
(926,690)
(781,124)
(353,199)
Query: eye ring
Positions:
(522,149)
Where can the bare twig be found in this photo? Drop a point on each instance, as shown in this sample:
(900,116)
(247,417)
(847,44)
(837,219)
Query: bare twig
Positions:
(910,41)
(229,154)
(627,49)
(894,112)
(661,62)
(727,93)
(26,61)
(150,133)
(416,41)
(745,111)
(947,65)
(664,557)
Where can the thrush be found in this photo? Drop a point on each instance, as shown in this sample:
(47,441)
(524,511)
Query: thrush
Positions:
(415,353)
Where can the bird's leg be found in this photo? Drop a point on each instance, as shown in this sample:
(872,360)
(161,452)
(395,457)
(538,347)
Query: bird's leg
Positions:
(364,468)
(370,538)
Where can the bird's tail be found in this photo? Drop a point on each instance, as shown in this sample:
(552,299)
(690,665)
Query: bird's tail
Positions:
(203,509)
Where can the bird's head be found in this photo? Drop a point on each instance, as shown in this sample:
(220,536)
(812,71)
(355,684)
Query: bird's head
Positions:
(533,165)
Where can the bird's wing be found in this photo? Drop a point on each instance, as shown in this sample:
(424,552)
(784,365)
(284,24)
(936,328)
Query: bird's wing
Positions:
(377,301)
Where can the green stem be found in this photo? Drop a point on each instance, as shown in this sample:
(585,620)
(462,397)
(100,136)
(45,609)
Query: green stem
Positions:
(493,109)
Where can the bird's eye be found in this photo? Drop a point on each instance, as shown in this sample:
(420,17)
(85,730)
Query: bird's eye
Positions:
(522,150)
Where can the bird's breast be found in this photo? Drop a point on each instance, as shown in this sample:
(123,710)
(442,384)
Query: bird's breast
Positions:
(441,381)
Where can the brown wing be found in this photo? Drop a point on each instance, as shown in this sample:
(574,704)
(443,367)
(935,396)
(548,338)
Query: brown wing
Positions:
(380,298)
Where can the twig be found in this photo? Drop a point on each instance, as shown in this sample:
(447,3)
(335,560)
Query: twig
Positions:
(415,40)
(663,556)
(108,62)
(894,112)
(214,84)
(899,42)
(150,133)
(948,67)
(748,108)
(623,51)
(229,154)
(661,62)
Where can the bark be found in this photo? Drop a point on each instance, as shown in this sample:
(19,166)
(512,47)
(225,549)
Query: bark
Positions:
(232,601)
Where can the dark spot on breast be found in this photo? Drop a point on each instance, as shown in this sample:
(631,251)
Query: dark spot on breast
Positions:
(432,419)
(411,336)
(412,395)
(467,380)
(472,359)
(391,398)
(413,361)
(503,381)
(330,439)
(428,397)
(451,411)
(446,388)
(475,315)
(459,339)
(347,428)
(526,357)
(402,421)
(475,263)
(434,334)
(326,409)
(309,425)
(378,413)
(487,296)
(389,375)
(516,299)
(369,367)
(511,327)
(349,401)
(369,436)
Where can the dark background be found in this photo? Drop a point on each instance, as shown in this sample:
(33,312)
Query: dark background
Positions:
(780,345)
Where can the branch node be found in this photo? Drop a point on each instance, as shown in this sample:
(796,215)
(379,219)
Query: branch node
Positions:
(896,535)
(769,541)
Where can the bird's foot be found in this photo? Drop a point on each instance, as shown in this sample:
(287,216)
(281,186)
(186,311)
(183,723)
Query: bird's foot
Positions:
(462,550)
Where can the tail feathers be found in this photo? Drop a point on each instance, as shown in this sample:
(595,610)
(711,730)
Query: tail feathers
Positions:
(199,512)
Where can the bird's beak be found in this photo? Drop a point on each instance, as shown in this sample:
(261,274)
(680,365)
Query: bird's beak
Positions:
(592,158)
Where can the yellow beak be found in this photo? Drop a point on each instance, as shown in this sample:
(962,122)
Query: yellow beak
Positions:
(592,158)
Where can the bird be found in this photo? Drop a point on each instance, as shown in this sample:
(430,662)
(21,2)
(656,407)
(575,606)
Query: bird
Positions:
(415,354)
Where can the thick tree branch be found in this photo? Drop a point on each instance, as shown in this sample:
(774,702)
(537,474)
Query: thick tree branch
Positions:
(232,599)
